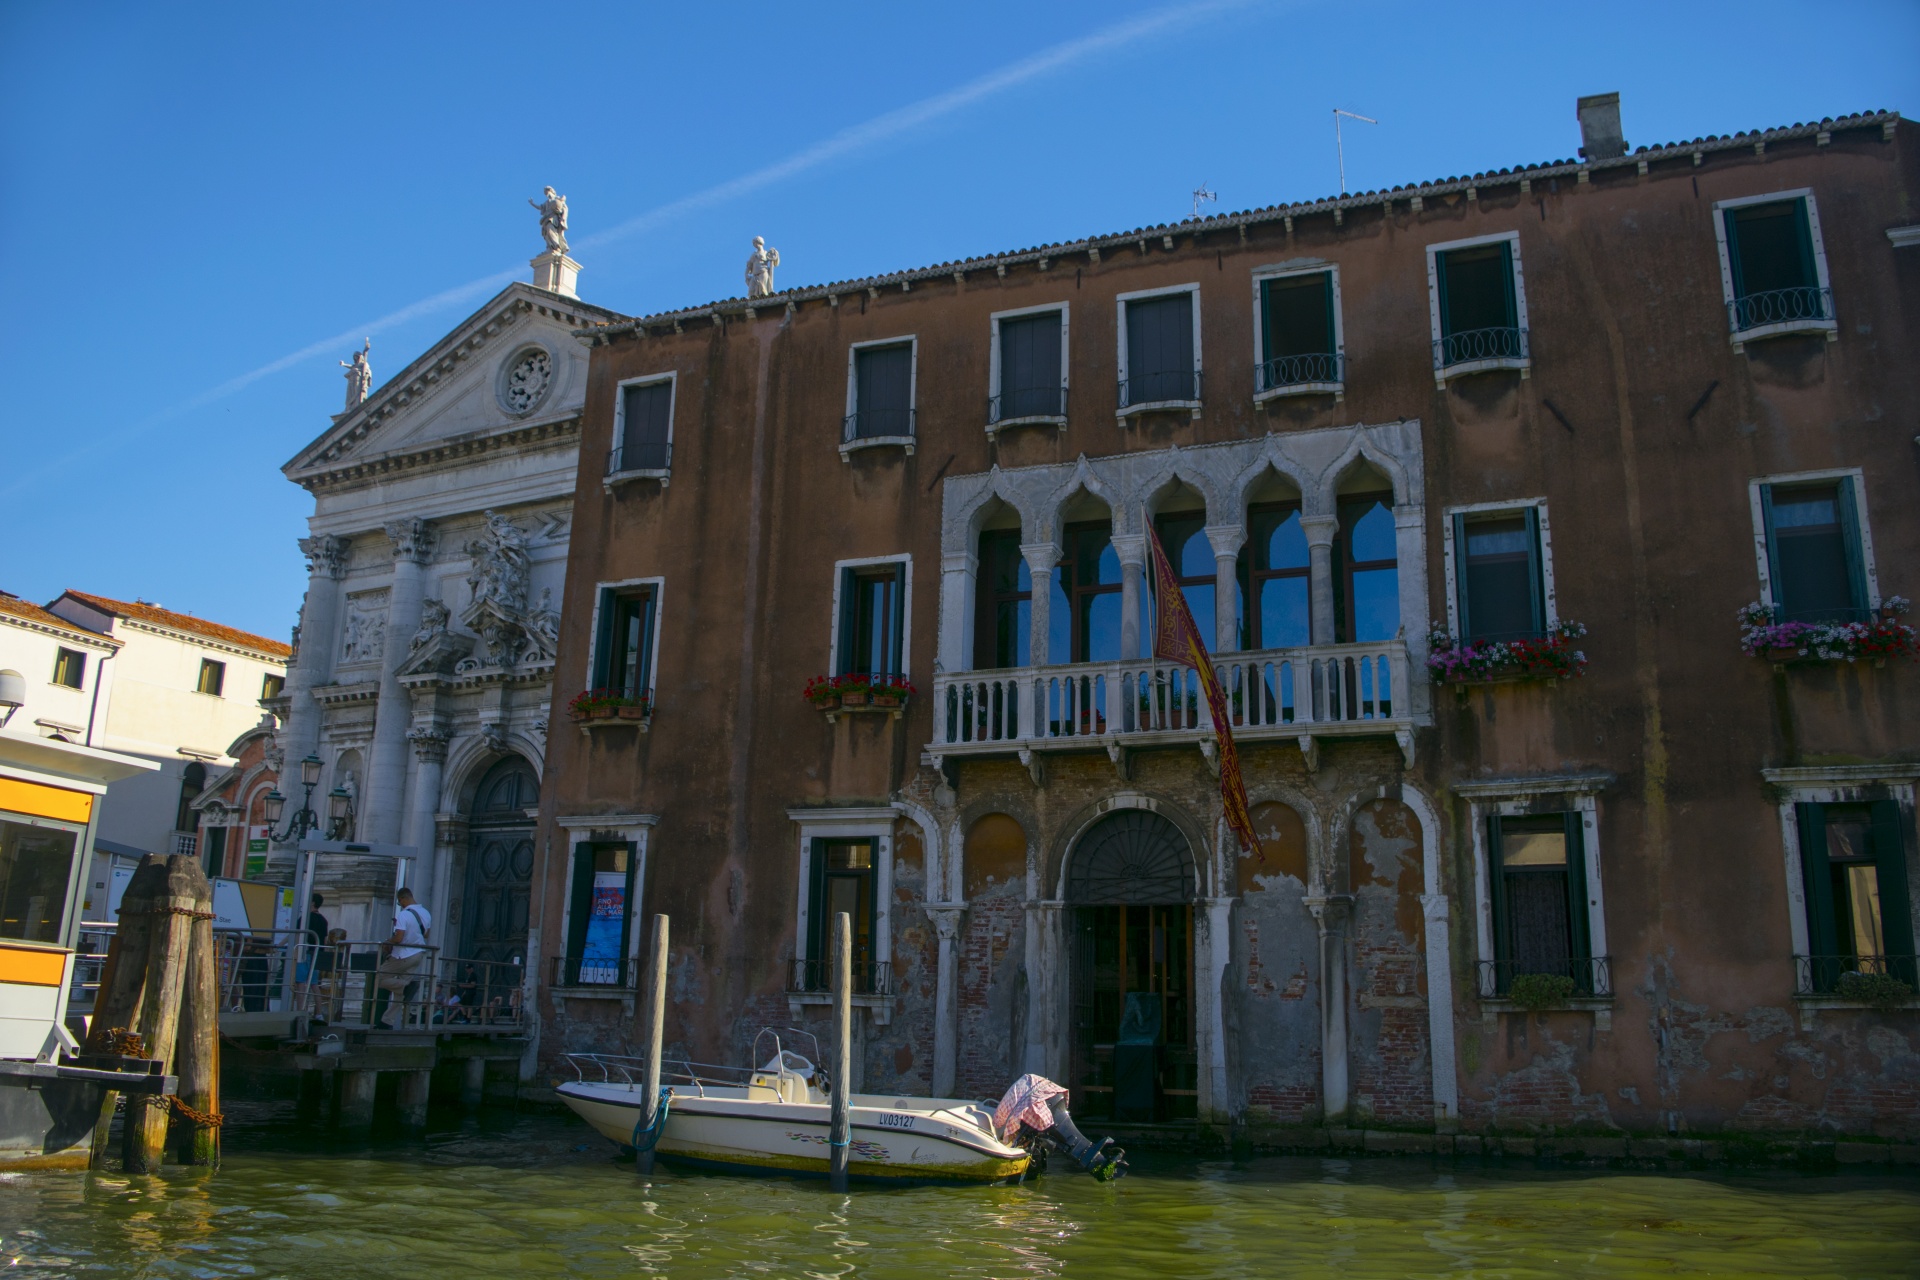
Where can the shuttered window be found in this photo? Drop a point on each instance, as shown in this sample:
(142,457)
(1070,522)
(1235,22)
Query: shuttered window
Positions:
(646,414)
(1497,569)
(624,646)
(1160,350)
(1538,876)
(1296,331)
(1030,378)
(1859,914)
(1770,246)
(872,619)
(70,668)
(1815,560)
(883,392)
(599,916)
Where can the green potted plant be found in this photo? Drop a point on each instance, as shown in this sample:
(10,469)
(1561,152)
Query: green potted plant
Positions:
(891,691)
(821,693)
(854,689)
(593,704)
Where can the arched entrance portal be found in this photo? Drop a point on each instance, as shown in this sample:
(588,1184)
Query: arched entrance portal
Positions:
(1131,887)
(500,864)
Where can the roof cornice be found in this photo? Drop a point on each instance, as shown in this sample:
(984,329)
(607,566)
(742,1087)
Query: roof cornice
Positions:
(80,634)
(201,639)
(520,434)
(1413,195)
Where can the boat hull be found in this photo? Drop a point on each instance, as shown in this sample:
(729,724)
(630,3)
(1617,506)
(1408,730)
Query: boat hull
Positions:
(738,1134)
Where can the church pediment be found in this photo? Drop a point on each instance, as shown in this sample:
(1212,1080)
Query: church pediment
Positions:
(513,363)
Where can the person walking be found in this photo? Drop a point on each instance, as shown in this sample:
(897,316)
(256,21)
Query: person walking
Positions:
(402,954)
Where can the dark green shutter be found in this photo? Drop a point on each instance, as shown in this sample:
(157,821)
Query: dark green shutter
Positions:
(896,653)
(1775,585)
(1460,573)
(603,641)
(817,902)
(849,620)
(1803,225)
(1536,572)
(1578,931)
(1266,320)
(1847,504)
(1506,279)
(1729,225)
(579,911)
(1821,939)
(1440,289)
(1896,908)
(1333,337)
(1497,892)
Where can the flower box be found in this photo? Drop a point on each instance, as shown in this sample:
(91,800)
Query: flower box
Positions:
(637,711)
(609,704)
(851,691)
(854,698)
(1548,657)
(1886,636)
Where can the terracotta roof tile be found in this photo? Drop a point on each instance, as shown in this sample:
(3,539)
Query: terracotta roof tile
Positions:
(140,611)
(10,603)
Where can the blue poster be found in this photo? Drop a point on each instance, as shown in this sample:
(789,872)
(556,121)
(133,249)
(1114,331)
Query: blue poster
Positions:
(600,958)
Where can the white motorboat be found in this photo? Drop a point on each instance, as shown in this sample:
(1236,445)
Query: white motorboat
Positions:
(774,1119)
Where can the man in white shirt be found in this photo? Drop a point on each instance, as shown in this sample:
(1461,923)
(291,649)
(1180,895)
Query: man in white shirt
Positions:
(406,951)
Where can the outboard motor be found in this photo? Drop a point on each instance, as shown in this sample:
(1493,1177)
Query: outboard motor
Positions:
(1035,1108)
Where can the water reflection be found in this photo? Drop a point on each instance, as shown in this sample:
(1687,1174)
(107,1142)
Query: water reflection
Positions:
(540,1196)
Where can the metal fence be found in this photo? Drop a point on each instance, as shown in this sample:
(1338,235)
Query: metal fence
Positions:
(1302,370)
(1471,346)
(1590,975)
(874,978)
(878,424)
(1831,975)
(1172,386)
(1802,303)
(1027,402)
(582,971)
(651,455)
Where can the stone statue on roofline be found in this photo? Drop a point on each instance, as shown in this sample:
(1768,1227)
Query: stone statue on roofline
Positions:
(760,269)
(553,220)
(359,377)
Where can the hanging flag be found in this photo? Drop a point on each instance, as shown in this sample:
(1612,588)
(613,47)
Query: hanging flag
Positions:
(1176,639)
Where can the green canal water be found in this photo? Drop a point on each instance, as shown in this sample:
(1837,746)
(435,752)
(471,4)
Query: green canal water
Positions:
(537,1196)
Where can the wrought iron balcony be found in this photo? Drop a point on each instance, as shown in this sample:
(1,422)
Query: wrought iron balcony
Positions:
(874,978)
(1027,404)
(612,975)
(1279,693)
(1171,389)
(1303,373)
(1499,347)
(1782,310)
(1828,975)
(1589,974)
(878,424)
(643,456)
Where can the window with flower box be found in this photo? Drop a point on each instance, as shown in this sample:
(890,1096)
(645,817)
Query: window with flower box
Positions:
(870,638)
(625,640)
(1819,598)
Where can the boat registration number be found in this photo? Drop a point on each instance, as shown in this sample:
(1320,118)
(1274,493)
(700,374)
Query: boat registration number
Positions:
(893,1120)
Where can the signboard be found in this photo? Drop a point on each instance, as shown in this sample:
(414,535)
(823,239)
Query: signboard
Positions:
(256,852)
(600,958)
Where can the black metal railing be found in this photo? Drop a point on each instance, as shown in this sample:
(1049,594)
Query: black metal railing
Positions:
(1832,975)
(1826,614)
(1469,346)
(649,455)
(1173,386)
(1806,303)
(1589,975)
(873,978)
(1294,371)
(1027,402)
(878,424)
(584,971)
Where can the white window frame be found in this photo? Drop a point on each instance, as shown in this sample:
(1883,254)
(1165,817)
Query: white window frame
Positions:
(662,474)
(1451,565)
(1120,301)
(1864,531)
(635,829)
(1740,337)
(906,442)
(1834,784)
(1443,372)
(600,589)
(840,568)
(993,366)
(1515,798)
(874,824)
(1337,388)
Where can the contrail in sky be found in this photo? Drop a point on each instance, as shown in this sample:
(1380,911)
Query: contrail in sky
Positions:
(847,141)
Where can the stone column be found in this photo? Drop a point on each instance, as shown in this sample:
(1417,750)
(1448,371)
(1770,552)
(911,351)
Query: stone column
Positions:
(384,819)
(430,756)
(1212,944)
(958,573)
(1410,550)
(1227,541)
(1440,1048)
(1320,531)
(1331,913)
(1046,1048)
(1132,550)
(319,618)
(1043,559)
(947,917)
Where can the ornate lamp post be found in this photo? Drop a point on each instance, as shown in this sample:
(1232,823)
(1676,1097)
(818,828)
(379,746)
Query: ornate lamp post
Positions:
(303,819)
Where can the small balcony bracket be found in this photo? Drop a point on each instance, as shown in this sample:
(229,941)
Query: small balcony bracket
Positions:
(1210,752)
(1405,738)
(1309,751)
(1121,764)
(1036,765)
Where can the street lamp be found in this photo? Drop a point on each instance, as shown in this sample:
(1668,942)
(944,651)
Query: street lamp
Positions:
(339,814)
(303,819)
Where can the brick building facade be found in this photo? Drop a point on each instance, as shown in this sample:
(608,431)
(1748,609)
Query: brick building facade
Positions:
(1468,482)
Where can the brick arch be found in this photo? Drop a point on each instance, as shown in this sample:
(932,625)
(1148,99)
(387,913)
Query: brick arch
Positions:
(1054,873)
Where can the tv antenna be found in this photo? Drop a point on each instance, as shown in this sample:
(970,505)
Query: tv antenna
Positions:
(1200,196)
(1339,147)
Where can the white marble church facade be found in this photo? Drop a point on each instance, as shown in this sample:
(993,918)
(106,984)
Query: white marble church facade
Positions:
(422,674)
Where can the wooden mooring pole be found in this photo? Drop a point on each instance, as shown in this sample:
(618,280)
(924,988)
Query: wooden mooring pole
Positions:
(184,895)
(656,1035)
(196,1052)
(123,982)
(840,1124)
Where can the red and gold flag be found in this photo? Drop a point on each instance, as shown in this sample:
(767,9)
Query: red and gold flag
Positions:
(1176,639)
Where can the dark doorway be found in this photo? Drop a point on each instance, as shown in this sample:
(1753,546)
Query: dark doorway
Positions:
(1131,884)
(500,864)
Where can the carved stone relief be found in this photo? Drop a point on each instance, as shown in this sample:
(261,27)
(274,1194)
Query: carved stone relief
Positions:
(364,638)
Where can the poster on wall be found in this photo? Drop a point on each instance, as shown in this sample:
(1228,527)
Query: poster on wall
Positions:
(600,958)
(256,852)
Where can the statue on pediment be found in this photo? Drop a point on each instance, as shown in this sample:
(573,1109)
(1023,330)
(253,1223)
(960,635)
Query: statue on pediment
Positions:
(760,265)
(433,623)
(553,220)
(499,580)
(543,626)
(359,377)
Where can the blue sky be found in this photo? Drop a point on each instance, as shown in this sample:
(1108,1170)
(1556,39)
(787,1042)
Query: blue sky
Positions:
(195,195)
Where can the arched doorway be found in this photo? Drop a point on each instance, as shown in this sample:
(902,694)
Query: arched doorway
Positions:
(499,883)
(1131,887)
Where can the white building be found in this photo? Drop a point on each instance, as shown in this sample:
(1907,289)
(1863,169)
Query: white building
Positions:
(437,556)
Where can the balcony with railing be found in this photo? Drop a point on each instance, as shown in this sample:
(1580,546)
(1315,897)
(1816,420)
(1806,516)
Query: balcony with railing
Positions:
(1856,978)
(1801,309)
(876,428)
(1477,350)
(639,460)
(1299,694)
(1168,390)
(1573,979)
(1023,406)
(1321,373)
(810,982)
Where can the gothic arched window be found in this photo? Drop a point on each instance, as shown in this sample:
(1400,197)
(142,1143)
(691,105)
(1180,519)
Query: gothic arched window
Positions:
(1133,857)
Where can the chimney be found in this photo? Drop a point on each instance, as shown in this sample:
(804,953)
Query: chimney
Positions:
(1600,127)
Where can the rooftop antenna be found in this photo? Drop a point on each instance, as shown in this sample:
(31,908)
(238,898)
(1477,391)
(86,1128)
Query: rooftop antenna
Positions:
(1339,147)
(1200,196)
